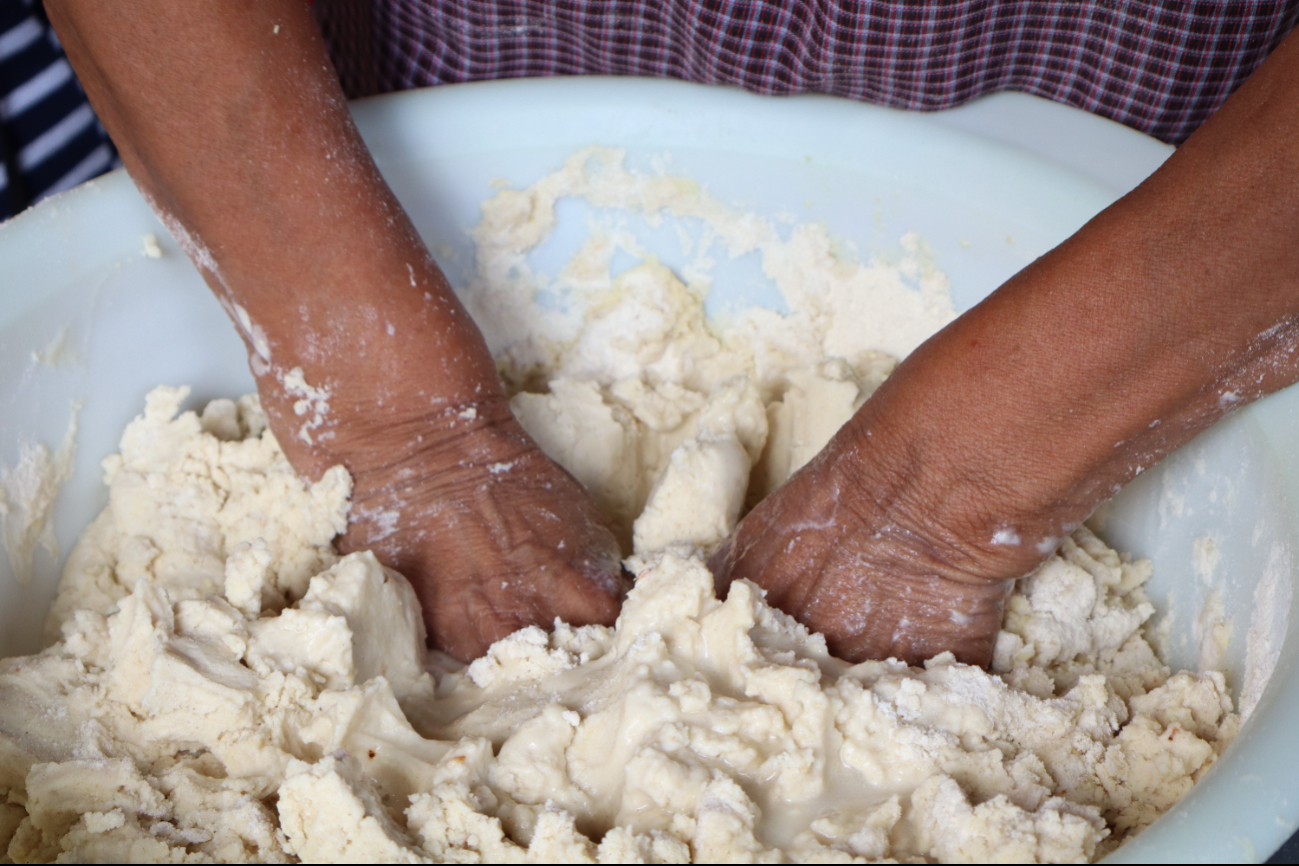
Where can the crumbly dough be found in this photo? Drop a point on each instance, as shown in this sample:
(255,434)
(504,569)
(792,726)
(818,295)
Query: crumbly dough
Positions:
(27,493)
(221,686)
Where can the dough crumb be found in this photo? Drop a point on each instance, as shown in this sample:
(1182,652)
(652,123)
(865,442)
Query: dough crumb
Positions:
(27,493)
(220,685)
(220,656)
(152,249)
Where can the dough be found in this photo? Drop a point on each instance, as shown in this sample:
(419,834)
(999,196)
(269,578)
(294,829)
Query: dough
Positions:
(27,493)
(221,686)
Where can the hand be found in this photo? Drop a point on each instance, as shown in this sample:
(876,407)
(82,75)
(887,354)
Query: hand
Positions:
(492,534)
(998,436)
(875,583)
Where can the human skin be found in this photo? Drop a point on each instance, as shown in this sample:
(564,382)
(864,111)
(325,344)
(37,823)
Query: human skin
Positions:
(230,119)
(990,442)
(997,437)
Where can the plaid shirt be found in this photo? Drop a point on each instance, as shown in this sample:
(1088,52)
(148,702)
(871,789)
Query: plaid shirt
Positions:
(1161,66)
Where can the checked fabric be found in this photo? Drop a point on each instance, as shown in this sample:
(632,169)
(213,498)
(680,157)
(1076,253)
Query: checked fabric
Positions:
(1161,67)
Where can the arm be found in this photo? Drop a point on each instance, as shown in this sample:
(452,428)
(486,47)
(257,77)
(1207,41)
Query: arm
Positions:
(997,437)
(231,121)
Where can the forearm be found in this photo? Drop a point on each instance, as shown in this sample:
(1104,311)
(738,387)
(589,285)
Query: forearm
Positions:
(1172,308)
(229,117)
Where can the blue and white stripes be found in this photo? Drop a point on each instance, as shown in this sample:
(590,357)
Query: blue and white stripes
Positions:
(50,139)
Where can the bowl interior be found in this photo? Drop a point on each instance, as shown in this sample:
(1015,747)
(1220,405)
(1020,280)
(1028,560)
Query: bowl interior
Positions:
(89,324)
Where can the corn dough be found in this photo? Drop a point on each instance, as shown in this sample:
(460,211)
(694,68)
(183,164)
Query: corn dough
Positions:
(222,686)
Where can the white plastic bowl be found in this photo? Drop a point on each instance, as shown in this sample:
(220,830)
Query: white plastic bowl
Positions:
(990,186)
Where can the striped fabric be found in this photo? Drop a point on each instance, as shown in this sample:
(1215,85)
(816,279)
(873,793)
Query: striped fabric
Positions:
(50,139)
(1160,66)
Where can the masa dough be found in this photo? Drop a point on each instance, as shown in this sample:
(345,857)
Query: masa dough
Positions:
(221,686)
(27,493)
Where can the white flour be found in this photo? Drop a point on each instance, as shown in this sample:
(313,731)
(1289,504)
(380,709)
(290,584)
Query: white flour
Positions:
(221,686)
(27,493)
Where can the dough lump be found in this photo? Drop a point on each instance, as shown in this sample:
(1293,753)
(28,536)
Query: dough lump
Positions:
(221,686)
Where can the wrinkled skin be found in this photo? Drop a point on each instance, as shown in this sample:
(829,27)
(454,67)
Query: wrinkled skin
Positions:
(836,562)
(497,535)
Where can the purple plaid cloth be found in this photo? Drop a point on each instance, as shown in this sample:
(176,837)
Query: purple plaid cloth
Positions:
(1161,67)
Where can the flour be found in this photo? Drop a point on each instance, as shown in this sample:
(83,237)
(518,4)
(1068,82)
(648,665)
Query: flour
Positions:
(1212,628)
(1205,555)
(221,685)
(62,351)
(1267,626)
(27,493)
(1211,632)
(311,404)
